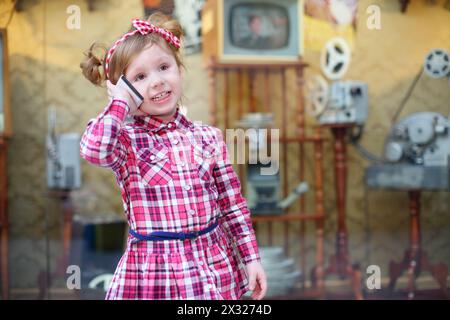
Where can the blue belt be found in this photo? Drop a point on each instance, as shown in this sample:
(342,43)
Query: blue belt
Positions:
(162,235)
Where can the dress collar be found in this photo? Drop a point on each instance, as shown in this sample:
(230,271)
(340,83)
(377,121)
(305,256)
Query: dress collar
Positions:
(154,124)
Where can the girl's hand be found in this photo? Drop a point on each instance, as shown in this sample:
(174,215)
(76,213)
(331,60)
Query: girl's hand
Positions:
(257,280)
(117,92)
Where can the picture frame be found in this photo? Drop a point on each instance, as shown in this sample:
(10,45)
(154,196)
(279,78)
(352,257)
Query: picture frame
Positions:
(255,31)
(5,107)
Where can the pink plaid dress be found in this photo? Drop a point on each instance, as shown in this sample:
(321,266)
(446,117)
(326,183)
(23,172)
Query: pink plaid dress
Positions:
(174,177)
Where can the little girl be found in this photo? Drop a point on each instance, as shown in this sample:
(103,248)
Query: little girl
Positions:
(191,235)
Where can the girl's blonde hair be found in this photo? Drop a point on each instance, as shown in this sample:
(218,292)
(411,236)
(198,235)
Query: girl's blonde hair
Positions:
(93,66)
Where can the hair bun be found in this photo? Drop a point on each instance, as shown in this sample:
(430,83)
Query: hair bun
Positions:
(92,66)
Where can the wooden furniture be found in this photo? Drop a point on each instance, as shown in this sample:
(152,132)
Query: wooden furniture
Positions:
(5,135)
(415,259)
(340,262)
(4,223)
(236,89)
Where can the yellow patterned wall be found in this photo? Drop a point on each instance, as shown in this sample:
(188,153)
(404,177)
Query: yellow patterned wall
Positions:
(44,60)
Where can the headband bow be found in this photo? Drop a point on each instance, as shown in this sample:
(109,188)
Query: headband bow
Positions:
(143,27)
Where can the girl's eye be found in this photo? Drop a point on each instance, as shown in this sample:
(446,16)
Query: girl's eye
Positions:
(139,77)
(164,67)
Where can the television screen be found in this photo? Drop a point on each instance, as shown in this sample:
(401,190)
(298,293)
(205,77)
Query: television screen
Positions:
(259,26)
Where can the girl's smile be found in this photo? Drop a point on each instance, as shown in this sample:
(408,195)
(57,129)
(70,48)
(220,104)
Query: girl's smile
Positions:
(161,97)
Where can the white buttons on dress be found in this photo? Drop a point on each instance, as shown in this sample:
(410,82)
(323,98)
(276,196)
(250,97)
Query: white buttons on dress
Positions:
(200,263)
(175,141)
(187,187)
(169,125)
(191,212)
(152,157)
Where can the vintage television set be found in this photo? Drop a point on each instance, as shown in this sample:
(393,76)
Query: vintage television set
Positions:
(246,31)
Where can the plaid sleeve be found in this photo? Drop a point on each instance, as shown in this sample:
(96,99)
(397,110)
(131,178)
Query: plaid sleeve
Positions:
(100,143)
(235,214)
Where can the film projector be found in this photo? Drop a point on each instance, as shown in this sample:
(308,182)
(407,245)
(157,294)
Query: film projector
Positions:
(63,157)
(340,106)
(416,154)
(263,188)
(417,158)
(417,149)
(342,101)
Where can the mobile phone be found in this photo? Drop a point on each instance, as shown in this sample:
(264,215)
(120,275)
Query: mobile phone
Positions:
(135,95)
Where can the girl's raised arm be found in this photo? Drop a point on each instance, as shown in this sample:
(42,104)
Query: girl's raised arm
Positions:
(103,142)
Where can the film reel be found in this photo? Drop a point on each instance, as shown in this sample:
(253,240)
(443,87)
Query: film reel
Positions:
(335,58)
(317,95)
(437,63)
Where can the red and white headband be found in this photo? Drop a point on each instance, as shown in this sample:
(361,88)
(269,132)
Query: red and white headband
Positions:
(143,27)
